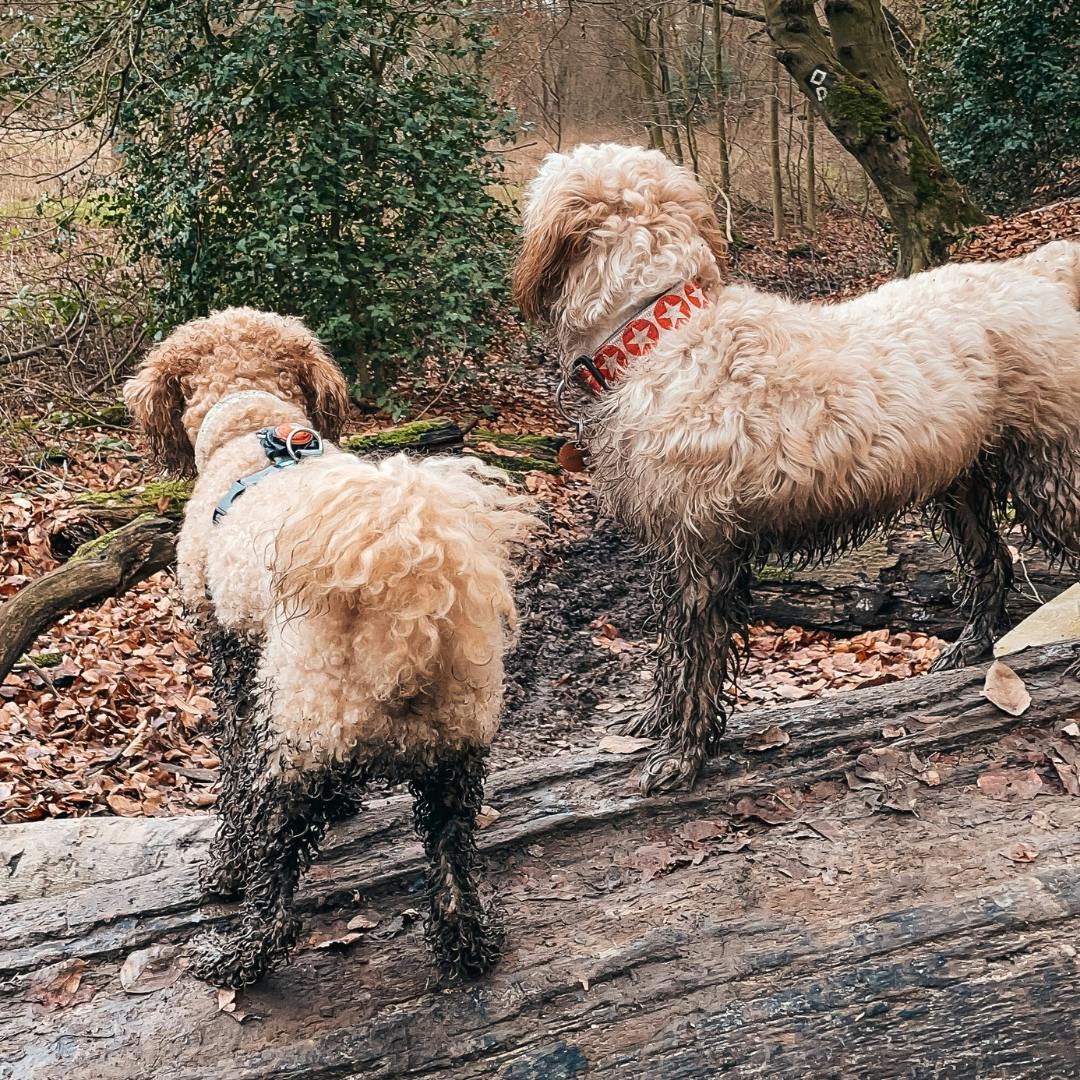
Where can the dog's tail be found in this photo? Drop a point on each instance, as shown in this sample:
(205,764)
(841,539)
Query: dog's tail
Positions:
(411,559)
(1058,261)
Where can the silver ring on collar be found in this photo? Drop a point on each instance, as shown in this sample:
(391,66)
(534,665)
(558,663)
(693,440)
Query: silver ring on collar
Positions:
(576,422)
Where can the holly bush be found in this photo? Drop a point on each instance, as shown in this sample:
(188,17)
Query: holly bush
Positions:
(1001,85)
(324,158)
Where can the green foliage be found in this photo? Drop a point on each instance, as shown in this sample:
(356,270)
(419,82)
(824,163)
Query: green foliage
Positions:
(1001,82)
(325,158)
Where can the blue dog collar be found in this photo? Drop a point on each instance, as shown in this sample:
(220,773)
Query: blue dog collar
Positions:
(285,445)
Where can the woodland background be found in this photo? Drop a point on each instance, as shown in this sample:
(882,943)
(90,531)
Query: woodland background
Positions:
(360,164)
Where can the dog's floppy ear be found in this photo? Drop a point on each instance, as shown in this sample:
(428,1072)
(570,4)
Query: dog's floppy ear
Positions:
(684,190)
(155,397)
(704,216)
(552,242)
(325,390)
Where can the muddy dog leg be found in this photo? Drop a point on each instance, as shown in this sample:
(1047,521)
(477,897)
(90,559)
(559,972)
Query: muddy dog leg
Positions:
(984,562)
(698,657)
(1044,485)
(288,820)
(234,658)
(447,799)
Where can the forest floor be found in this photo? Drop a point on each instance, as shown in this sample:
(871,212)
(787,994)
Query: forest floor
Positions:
(109,713)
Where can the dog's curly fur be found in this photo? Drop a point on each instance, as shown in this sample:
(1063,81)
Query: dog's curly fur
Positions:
(764,427)
(356,615)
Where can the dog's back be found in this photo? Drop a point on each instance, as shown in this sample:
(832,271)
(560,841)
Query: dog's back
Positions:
(388,601)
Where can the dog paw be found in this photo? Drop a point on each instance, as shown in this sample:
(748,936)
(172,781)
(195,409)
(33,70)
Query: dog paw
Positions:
(465,950)
(216,959)
(667,769)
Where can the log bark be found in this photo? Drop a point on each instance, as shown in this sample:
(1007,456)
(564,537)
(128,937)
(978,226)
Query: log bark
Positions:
(904,582)
(681,936)
(99,569)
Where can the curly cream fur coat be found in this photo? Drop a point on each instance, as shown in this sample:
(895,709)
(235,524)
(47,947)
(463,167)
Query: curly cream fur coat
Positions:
(372,604)
(765,427)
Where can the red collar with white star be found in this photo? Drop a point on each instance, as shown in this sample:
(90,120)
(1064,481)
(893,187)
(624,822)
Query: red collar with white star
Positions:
(671,310)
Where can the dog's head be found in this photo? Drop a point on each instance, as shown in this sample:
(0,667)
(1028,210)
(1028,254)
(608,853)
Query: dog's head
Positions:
(602,213)
(236,349)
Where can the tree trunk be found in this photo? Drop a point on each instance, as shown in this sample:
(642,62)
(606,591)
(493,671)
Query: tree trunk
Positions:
(855,82)
(811,174)
(638,29)
(720,91)
(774,157)
(667,92)
(848,904)
(99,569)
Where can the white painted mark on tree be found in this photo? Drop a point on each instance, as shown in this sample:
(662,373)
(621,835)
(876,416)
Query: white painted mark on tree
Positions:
(818,78)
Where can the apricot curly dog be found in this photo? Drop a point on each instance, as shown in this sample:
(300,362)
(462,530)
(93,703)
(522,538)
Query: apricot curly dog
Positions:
(727,425)
(356,615)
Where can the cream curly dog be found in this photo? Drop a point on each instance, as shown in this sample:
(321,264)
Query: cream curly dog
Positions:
(728,425)
(356,615)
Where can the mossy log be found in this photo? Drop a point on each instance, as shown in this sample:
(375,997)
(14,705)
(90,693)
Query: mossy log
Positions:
(849,904)
(106,566)
(101,511)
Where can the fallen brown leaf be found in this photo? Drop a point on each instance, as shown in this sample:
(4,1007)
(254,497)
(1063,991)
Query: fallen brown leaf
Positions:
(769,810)
(1006,784)
(1005,689)
(1022,853)
(703,829)
(623,744)
(152,969)
(1069,775)
(768,739)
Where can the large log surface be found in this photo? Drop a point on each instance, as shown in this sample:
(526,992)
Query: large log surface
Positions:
(863,943)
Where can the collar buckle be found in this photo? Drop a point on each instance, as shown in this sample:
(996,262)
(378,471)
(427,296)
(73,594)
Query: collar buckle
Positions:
(588,375)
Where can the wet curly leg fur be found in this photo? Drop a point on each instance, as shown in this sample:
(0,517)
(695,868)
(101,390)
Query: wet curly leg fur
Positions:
(1044,487)
(703,609)
(234,659)
(287,821)
(459,930)
(966,512)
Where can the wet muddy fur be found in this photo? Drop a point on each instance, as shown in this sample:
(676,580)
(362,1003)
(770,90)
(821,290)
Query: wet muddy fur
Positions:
(270,830)
(703,604)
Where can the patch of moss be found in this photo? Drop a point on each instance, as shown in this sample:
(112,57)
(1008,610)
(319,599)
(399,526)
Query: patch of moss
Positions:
(149,495)
(505,438)
(92,548)
(863,108)
(772,573)
(516,466)
(403,435)
(45,659)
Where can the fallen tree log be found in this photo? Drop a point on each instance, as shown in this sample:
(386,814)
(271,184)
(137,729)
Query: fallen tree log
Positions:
(104,567)
(906,581)
(881,896)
